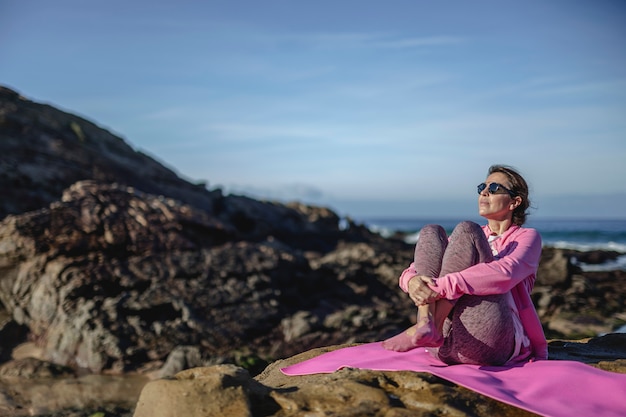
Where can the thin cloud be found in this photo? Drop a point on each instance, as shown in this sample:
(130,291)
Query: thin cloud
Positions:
(260,132)
(404,43)
(338,40)
(609,87)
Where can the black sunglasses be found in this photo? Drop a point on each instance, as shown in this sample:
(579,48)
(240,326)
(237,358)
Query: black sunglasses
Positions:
(494,188)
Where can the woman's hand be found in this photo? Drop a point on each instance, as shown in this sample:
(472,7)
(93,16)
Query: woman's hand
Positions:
(420,292)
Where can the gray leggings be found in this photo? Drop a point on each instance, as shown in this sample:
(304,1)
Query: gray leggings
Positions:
(480,329)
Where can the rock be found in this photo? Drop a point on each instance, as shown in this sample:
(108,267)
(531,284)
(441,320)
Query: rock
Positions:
(83,396)
(555,269)
(188,357)
(594,257)
(605,352)
(33,368)
(181,358)
(347,392)
(220,390)
(11,335)
(297,225)
(296,326)
(573,303)
(72,284)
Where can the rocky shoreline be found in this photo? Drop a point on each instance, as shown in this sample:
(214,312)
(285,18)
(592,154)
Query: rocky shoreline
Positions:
(114,272)
(86,310)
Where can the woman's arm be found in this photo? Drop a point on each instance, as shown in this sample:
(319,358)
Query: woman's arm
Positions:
(520,255)
(406,276)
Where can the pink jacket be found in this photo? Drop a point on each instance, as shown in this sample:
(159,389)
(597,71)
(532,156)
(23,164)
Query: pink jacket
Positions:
(519,250)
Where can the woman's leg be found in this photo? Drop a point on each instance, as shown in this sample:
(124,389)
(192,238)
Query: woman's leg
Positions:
(429,252)
(481,329)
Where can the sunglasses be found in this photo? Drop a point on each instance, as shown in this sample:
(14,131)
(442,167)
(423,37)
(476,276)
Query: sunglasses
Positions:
(494,188)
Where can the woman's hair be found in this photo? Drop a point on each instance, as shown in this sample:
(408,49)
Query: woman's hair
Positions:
(519,187)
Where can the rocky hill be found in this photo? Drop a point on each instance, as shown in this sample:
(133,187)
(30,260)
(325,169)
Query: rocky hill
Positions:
(111,263)
(45,150)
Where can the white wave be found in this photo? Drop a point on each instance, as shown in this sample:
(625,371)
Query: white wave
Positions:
(383,231)
(621,329)
(618,264)
(586,247)
(412,237)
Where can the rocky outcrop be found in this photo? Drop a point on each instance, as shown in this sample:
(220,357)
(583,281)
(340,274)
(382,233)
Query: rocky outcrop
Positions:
(112,279)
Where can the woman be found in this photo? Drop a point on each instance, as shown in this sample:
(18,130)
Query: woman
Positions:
(473,288)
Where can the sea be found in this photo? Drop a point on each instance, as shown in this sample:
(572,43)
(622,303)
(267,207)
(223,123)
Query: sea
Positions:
(578,234)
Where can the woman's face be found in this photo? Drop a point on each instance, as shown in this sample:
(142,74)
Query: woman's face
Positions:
(497,206)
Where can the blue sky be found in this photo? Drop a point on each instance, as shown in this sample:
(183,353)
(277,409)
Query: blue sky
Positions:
(371,108)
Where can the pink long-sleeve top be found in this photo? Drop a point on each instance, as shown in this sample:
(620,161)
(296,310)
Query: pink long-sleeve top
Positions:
(514,269)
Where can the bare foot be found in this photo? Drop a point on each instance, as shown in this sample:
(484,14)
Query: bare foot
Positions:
(422,334)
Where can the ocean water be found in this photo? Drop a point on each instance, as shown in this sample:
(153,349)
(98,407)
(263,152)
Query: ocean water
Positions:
(578,234)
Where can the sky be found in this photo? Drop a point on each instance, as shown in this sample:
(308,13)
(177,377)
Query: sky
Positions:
(371,108)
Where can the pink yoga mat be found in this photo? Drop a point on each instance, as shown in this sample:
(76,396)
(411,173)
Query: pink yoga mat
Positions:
(549,387)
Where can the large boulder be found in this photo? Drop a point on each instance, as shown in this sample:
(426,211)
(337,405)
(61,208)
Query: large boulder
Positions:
(573,303)
(218,391)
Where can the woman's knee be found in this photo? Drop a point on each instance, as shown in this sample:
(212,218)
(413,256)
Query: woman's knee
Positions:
(469,241)
(467,228)
(433,232)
